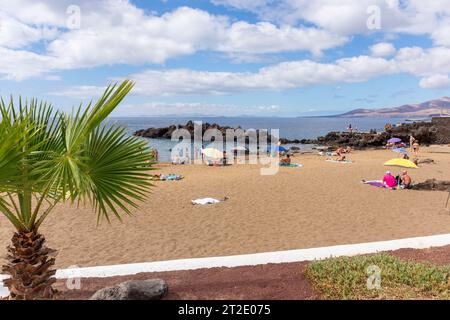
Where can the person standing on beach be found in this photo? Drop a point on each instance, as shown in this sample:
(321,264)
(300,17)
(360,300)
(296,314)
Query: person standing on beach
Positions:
(411,140)
(415,147)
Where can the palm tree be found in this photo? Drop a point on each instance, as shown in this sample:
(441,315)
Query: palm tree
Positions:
(49,157)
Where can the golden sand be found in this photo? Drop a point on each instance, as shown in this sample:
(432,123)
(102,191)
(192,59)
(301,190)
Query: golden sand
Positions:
(320,204)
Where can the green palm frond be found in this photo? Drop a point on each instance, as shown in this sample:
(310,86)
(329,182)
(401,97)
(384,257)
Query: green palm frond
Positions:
(57,157)
(113,170)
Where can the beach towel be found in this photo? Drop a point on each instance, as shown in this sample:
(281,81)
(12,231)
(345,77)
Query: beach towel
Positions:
(291,165)
(380,184)
(328,154)
(336,161)
(204,201)
(375,183)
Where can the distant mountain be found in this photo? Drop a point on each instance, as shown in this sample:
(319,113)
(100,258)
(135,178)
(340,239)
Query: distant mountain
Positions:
(422,110)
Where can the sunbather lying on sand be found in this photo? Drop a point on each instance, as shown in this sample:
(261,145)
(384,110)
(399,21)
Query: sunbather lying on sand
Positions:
(217,163)
(179,160)
(170,176)
(328,154)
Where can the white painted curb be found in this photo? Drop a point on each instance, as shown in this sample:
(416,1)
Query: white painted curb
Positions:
(250,259)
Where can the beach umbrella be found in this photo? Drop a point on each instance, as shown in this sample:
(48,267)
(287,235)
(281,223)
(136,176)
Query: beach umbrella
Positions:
(212,153)
(401,163)
(280,149)
(400,150)
(394,140)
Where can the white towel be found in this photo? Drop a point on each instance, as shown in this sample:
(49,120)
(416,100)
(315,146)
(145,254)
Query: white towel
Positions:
(205,201)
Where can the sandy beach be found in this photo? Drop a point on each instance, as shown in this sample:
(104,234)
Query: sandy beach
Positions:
(320,204)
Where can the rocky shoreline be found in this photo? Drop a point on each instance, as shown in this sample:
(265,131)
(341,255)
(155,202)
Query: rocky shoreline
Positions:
(434,132)
(166,132)
(425,132)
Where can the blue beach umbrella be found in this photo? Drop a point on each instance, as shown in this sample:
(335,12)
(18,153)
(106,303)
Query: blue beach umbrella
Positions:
(281,149)
(400,150)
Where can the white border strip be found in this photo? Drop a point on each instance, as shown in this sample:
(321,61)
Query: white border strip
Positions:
(250,259)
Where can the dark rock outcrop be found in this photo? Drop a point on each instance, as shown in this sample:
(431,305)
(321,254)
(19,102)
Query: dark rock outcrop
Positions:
(425,132)
(166,132)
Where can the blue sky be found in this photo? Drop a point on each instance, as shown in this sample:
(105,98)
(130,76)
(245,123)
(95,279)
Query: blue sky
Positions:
(228,57)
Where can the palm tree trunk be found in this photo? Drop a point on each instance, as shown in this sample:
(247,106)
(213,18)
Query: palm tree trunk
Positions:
(29,267)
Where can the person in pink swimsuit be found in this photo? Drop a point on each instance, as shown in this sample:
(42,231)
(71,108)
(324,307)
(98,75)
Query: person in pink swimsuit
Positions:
(389,180)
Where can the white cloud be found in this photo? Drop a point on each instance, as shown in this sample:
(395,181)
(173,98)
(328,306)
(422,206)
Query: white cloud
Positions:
(295,74)
(285,75)
(441,34)
(265,37)
(154,39)
(21,64)
(15,34)
(192,108)
(282,76)
(117,32)
(344,16)
(244,4)
(437,81)
(420,62)
(350,17)
(79,92)
(38,13)
(382,49)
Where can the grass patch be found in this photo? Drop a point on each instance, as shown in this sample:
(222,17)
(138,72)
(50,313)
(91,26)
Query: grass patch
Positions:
(347,277)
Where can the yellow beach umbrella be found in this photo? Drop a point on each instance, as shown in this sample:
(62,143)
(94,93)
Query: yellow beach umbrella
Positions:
(212,153)
(401,163)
